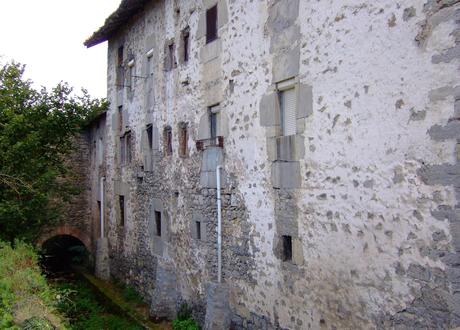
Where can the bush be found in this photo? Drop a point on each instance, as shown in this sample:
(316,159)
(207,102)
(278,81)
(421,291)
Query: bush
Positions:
(184,319)
(25,297)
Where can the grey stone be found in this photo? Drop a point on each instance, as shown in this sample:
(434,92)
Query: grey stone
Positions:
(447,56)
(286,64)
(449,131)
(304,101)
(409,13)
(218,314)
(286,175)
(102,259)
(269,110)
(282,14)
(222,13)
(285,148)
(164,297)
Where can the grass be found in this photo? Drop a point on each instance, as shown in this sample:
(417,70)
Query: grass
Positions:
(26,300)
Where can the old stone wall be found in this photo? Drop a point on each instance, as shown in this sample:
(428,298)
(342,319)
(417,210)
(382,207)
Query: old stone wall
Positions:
(364,192)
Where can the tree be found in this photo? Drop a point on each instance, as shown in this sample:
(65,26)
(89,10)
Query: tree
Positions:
(37,130)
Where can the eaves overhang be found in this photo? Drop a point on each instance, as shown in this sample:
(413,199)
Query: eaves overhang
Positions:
(115,21)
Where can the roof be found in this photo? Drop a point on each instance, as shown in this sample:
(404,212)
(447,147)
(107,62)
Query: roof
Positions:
(115,21)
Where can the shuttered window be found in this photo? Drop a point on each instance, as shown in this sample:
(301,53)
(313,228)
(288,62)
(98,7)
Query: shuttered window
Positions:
(288,106)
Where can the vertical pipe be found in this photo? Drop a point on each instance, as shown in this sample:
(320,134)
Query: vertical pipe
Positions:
(219,227)
(102,207)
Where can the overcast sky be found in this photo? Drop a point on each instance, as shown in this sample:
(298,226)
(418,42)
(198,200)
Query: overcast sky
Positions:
(48,36)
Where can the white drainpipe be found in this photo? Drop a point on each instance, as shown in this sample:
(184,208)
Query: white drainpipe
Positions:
(219,227)
(102,207)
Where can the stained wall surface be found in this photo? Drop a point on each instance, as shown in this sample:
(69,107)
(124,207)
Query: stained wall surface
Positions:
(366,189)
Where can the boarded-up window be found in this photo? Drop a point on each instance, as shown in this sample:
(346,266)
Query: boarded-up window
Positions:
(121,202)
(288,106)
(211,24)
(183,139)
(167,141)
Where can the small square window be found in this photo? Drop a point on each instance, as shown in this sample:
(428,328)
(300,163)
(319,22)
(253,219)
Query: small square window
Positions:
(287,248)
(158,223)
(211,24)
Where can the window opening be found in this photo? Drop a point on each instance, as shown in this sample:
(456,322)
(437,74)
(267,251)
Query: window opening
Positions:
(287,248)
(120,118)
(171,57)
(198,229)
(183,139)
(120,71)
(121,200)
(167,138)
(211,24)
(158,223)
(128,147)
(150,136)
(186,37)
(122,150)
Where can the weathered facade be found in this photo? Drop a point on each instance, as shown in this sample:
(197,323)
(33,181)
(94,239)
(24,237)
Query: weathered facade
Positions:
(336,124)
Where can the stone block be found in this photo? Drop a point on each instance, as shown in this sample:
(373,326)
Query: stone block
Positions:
(120,96)
(204,128)
(212,157)
(285,148)
(286,64)
(270,110)
(208,179)
(121,188)
(285,38)
(102,259)
(165,296)
(201,29)
(282,14)
(218,314)
(271,149)
(286,175)
(222,13)
(211,51)
(297,252)
(304,101)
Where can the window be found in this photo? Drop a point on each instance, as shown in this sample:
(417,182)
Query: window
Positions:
(149,81)
(121,202)
(100,151)
(198,229)
(167,141)
(122,150)
(128,147)
(99,209)
(183,139)
(185,41)
(149,131)
(213,111)
(158,223)
(171,58)
(120,118)
(287,248)
(125,149)
(120,70)
(288,105)
(211,24)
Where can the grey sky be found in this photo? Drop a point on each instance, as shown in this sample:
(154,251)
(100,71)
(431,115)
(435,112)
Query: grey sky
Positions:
(48,35)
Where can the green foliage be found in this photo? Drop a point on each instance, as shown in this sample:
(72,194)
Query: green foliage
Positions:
(36,133)
(79,303)
(131,295)
(37,323)
(188,324)
(24,292)
(184,319)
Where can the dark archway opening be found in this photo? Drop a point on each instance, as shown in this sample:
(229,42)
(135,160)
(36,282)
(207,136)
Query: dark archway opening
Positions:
(60,253)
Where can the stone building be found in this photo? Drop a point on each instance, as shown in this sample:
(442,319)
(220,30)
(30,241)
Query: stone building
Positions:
(336,126)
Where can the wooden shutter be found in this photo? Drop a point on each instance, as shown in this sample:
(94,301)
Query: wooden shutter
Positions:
(288,111)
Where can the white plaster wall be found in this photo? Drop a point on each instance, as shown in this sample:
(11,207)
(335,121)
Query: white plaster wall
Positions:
(355,223)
